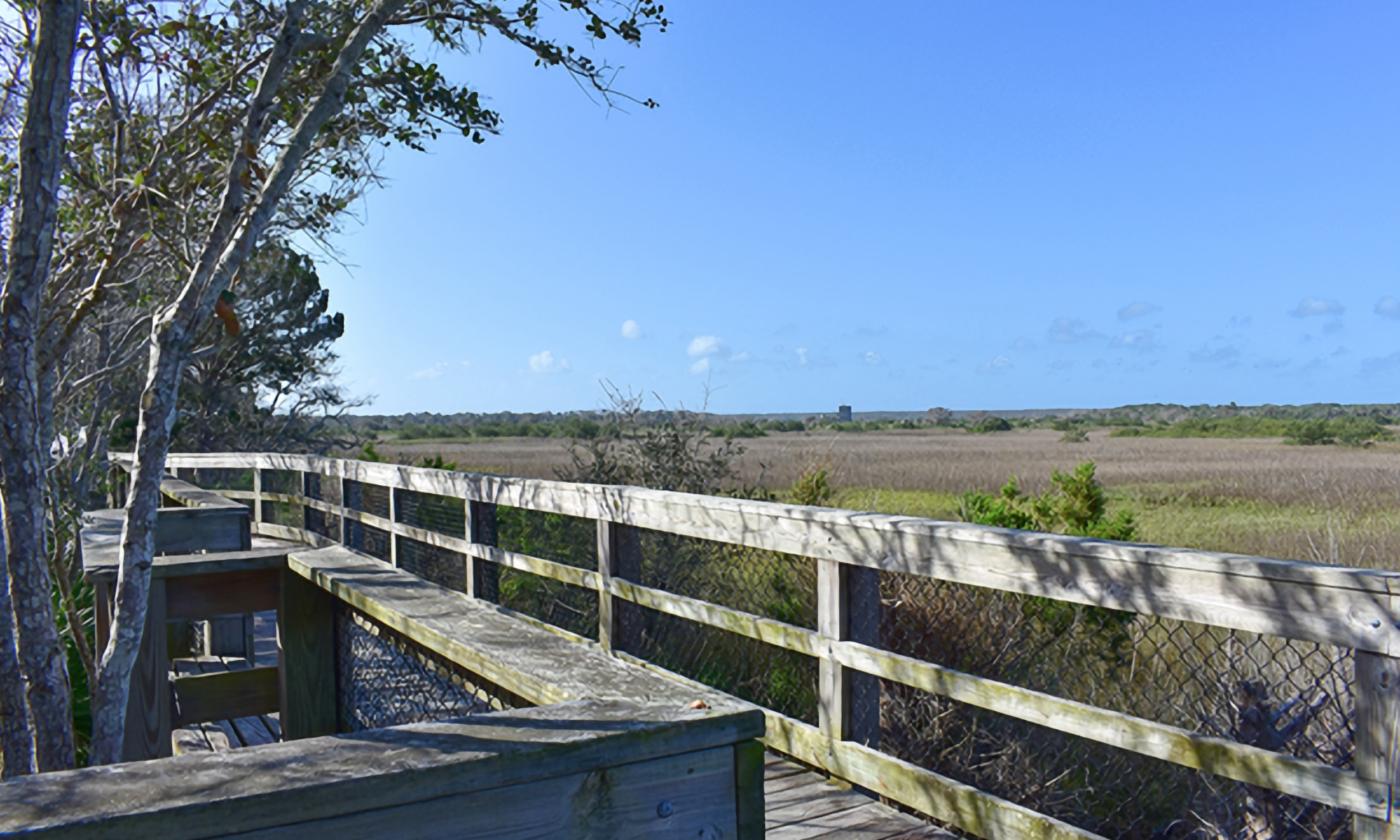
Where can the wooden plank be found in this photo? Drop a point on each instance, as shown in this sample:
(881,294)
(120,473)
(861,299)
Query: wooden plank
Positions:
(767,630)
(870,821)
(229,635)
(1377,755)
(147,733)
(619,556)
(748,790)
(1242,762)
(185,530)
(678,796)
(306,658)
(848,608)
(231,694)
(322,778)
(206,595)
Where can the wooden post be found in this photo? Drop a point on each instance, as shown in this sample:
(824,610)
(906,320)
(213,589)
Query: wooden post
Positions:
(393,537)
(1377,689)
(257,495)
(848,608)
(748,789)
(483,577)
(619,555)
(305,658)
(148,706)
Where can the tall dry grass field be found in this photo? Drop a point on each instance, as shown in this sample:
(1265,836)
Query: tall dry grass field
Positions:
(1253,496)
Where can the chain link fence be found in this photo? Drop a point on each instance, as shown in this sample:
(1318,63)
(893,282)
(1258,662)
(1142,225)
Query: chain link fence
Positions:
(1282,695)
(384,679)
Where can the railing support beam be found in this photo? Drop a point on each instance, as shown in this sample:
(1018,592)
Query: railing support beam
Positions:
(619,556)
(848,609)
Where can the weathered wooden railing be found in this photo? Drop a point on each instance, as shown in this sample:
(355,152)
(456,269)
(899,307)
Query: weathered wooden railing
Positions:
(1344,620)
(407,710)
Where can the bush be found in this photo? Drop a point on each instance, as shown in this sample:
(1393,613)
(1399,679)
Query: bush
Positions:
(813,487)
(1310,433)
(1075,504)
(988,425)
(1074,435)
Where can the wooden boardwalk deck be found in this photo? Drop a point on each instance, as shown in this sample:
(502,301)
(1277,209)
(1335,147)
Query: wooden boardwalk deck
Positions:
(799,804)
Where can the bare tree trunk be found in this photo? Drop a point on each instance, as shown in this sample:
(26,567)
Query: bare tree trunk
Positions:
(226,247)
(16,738)
(23,454)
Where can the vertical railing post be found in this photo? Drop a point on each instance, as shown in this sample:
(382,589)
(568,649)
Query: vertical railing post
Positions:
(619,556)
(257,492)
(305,658)
(393,519)
(1377,749)
(483,576)
(848,609)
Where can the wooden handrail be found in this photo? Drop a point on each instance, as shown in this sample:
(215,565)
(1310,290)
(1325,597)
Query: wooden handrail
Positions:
(1348,607)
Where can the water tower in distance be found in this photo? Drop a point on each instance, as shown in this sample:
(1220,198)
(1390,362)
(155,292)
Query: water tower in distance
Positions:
(843,414)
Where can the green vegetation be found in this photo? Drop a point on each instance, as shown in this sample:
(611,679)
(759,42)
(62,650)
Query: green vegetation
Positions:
(988,425)
(1348,431)
(1075,504)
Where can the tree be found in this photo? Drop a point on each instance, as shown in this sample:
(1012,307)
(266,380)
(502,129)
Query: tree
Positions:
(27,625)
(201,134)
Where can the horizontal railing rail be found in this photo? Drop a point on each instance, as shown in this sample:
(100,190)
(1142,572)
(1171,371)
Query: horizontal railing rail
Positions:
(1351,614)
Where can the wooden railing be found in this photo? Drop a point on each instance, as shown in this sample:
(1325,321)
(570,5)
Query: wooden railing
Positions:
(1353,609)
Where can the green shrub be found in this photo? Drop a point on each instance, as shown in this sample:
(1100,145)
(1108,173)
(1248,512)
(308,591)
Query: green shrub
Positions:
(1075,504)
(988,425)
(813,487)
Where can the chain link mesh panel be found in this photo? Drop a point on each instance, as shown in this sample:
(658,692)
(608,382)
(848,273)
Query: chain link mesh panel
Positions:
(1282,695)
(782,680)
(384,679)
(444,515)
(443,567)
(551,536)
(327,490)
(766,583)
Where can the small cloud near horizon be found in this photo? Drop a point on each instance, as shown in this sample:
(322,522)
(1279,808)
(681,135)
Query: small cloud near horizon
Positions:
(431,372)
(1311,307)
(631,329)
(1138,309)
(1071,331)
(546,362)
(1388,307)
(703,345)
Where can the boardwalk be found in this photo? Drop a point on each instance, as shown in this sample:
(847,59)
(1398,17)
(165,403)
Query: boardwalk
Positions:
(799,803)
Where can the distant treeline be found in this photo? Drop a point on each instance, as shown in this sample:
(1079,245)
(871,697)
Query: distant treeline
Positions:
(1304,424)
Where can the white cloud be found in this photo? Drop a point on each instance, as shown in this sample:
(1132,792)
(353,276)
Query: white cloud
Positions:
(631,329)
(1140,340)
(431,372)
(997,364)
(1310,307)
(741,356)
(704,345)
(701,365)
(546,362)
(1137,309)
(802,356)
(871,357)
(1070,331)
(1388,307)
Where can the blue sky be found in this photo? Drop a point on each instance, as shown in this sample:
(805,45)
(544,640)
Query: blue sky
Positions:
(904,205)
